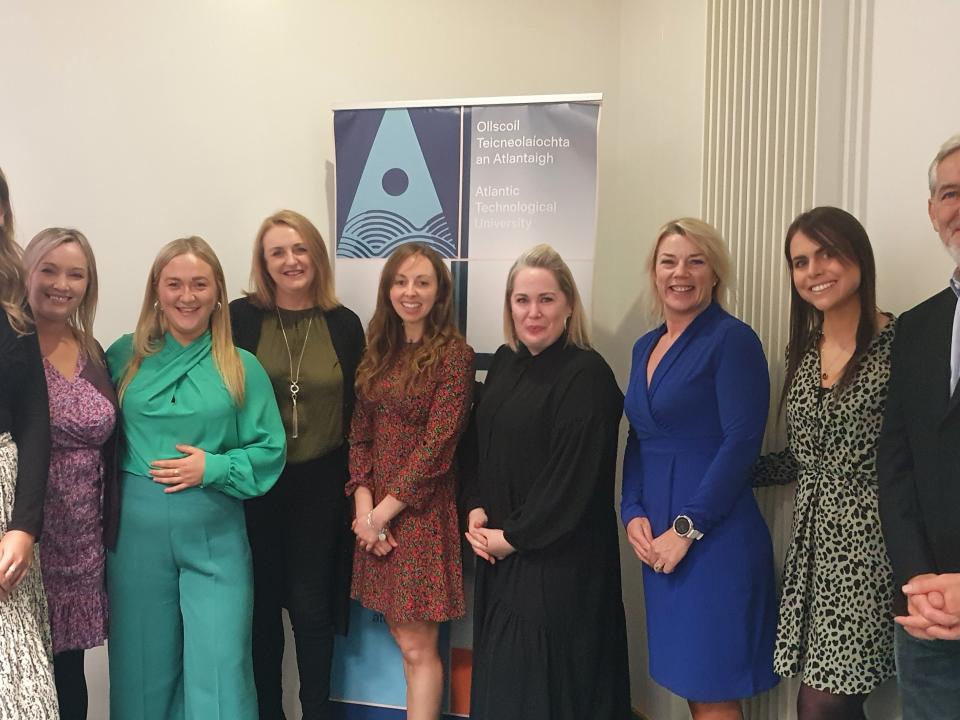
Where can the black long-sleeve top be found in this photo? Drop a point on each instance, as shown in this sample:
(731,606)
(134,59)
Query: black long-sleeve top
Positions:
(546,442)
(25,414)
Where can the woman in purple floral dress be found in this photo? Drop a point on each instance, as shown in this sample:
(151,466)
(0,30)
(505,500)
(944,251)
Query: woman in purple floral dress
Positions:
(62,293)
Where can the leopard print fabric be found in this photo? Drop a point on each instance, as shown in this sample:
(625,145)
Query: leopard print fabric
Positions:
(835,628)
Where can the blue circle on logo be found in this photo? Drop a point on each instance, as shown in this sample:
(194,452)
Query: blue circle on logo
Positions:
(395,182)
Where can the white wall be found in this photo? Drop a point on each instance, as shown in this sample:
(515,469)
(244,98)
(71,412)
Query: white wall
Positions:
(142,122)
(914,108)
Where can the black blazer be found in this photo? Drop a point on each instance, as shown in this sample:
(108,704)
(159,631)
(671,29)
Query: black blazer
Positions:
(918,459)
(346,333)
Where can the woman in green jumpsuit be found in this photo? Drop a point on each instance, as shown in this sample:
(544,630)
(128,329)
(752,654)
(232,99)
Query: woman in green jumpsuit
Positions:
(202,432)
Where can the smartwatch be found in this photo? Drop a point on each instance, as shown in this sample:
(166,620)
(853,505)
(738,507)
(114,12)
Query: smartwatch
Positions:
(683,526)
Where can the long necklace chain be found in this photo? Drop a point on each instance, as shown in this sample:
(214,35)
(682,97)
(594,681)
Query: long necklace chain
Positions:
(294,378)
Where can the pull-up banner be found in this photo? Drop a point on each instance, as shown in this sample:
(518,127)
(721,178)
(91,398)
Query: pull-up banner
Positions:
(480,181)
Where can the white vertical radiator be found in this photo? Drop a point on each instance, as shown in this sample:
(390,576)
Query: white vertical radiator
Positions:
(758,174)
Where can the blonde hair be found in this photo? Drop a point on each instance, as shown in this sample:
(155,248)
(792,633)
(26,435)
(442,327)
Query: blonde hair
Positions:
(263,290)
(81,322)
(151,326)
(545,257)
(708,240)
(385,333)
(12,290)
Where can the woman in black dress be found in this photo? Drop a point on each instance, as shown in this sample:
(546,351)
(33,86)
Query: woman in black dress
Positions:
(549,632)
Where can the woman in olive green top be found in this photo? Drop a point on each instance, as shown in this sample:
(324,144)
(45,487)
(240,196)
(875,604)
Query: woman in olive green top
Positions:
(300,534)
(202,432)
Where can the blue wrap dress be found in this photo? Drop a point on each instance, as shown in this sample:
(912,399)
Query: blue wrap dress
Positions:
(695,433)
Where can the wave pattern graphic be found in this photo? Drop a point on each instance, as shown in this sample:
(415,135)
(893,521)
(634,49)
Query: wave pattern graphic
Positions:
(376,233)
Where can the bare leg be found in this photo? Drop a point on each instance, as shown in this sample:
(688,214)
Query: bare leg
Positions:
(729,710)
(421,667)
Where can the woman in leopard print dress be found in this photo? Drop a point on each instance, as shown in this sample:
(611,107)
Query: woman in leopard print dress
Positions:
(835,628)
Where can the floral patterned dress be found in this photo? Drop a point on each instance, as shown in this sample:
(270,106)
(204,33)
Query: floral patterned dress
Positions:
(402,444)
(835,628)
(71,554)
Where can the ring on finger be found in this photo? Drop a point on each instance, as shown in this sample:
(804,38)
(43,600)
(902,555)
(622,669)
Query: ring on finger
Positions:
(12,569)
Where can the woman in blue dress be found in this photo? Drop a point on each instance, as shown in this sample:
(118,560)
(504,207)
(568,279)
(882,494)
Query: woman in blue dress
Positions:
(697,403)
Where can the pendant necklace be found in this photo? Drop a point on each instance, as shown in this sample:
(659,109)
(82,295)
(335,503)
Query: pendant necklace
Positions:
(294,379)
(826,372)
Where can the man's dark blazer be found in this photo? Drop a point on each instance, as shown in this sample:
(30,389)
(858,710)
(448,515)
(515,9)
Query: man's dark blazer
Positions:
(918,460)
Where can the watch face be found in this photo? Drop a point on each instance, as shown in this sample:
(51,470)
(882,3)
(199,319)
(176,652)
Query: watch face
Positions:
(681,525)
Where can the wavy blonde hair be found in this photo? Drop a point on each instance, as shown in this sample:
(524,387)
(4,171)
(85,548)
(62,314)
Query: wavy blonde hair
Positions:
(263,290)
(151,326)
(545,257)
(12,288)
(81,322)
(709,241)
(385,335)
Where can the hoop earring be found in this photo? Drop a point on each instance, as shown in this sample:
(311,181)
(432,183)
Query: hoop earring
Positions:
(156,306)
(219,305)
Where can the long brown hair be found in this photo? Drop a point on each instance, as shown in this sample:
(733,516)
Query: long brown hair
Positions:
(81,322)
(841,233)
(12,290)
(148,337)
(385,335)
(263,290)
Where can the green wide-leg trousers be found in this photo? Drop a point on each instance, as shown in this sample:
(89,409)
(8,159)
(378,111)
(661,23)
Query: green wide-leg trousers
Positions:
(181,599)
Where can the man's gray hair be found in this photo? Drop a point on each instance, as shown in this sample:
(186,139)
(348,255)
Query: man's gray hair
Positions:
(948,148)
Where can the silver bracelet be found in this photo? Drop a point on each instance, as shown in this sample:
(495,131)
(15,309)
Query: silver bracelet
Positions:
(382,532)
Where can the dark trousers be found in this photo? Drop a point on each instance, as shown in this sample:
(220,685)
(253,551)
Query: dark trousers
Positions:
(296,534)
(71,684)
(929,675)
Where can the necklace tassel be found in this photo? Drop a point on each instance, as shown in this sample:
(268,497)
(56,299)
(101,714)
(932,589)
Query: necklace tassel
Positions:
(295,425)
(294,377)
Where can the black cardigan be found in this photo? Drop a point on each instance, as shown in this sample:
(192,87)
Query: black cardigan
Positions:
(98,375)
(346,333)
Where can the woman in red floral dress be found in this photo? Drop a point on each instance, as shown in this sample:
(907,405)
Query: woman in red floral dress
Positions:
(414,388)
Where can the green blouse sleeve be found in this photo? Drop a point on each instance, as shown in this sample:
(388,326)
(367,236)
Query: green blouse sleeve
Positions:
(252,468)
